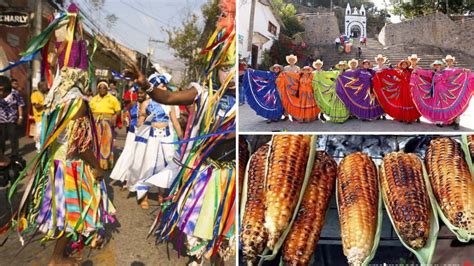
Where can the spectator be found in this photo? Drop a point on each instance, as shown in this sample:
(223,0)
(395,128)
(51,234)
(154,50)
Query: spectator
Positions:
(113,88)
(37,102)
(359,52)
(11,115)
(337,42)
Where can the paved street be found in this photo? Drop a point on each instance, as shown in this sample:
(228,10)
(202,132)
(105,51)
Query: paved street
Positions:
(250,122)
(128,245)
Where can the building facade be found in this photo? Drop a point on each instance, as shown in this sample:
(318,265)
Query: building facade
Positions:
(266,28)
(355,22)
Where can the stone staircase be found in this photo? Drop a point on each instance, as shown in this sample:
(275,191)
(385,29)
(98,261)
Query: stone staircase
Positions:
(428,54)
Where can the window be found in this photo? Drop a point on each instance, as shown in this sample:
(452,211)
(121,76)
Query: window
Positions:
(272,28)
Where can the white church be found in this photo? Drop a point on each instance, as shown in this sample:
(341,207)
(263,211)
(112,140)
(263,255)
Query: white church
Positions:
(356,22)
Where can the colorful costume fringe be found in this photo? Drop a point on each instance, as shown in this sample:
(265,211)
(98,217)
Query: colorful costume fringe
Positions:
(324,83)
(354,88)
(297,95)
(392,87)
(442,96)
(262,94)
(210,123)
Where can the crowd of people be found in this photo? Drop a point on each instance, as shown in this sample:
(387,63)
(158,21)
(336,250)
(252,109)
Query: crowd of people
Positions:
(191,161)
(361,90)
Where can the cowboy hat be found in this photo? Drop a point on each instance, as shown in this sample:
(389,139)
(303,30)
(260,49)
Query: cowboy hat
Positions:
(353,61)
(379,56)
(366,61)
(414,56)
(272,68)
(341,63)
(437,62)
(399,65)
(317,62)
(449,57)
(307,68)
(291,56)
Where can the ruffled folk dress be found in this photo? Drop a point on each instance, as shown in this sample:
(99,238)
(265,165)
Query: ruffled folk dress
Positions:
(392,87)
(297,95)
(442,96)
(354,88)
(262,94)
(324,84)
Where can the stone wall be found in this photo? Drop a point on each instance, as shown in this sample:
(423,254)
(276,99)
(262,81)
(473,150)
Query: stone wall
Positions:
(436,30)
(320,28)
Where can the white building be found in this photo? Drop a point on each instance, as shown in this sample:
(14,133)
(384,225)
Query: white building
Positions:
(356,21)
(265,30)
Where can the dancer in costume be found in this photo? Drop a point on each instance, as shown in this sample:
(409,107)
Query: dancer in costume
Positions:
(380,60)
(65,198)
(291,67)
(154,151)
(393,90)
(441,95)
(354,88)
(341,66)
(449,61)
(297,95)
(105,108)
(324,84)
(413,61)
(262,94)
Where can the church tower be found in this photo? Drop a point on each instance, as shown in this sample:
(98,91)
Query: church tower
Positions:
(355,22)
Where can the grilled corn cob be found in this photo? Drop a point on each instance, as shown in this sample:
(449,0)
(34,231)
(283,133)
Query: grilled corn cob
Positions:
(451,181)
(243,159)
(403,187)
(287,165)
(253,235)
(304,235)
(358,205)
(470,144)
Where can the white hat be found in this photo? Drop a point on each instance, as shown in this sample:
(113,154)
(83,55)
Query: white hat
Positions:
(379,56)
(272,68)
(307,68)
(414,56)
(291,56)
(449,57)
(341,63)
(317,62)
(353,61)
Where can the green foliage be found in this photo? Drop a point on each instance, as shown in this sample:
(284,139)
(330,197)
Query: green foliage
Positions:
(287,13)
(187,39)
(267,61)
(426,7)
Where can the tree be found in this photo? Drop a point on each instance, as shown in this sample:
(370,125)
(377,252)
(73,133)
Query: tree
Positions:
(186,40)
(426,7)
(287,13)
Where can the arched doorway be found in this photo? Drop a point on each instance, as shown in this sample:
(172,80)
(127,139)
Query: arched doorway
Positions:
(355,31)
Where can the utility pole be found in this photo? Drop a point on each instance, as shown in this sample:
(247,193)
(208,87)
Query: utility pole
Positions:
(330,7)
(251,23)
(36,75)
(150,51)
(447,7)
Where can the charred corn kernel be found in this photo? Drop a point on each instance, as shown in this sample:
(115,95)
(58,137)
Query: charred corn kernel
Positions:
(253,235)
(451,182)
(404,189)
(358,205)
(470,144)
(243,159)
(286,170)
(304,234)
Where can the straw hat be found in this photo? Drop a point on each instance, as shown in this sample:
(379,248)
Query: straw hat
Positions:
(353,61)
(272,68)
(414,56)
(379,56)
(317,62)
(449,57)
(341,65)
(437,62)
(307,68)
(291,56)
(399,65)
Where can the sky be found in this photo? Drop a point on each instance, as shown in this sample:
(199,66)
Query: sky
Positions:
(139,20)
